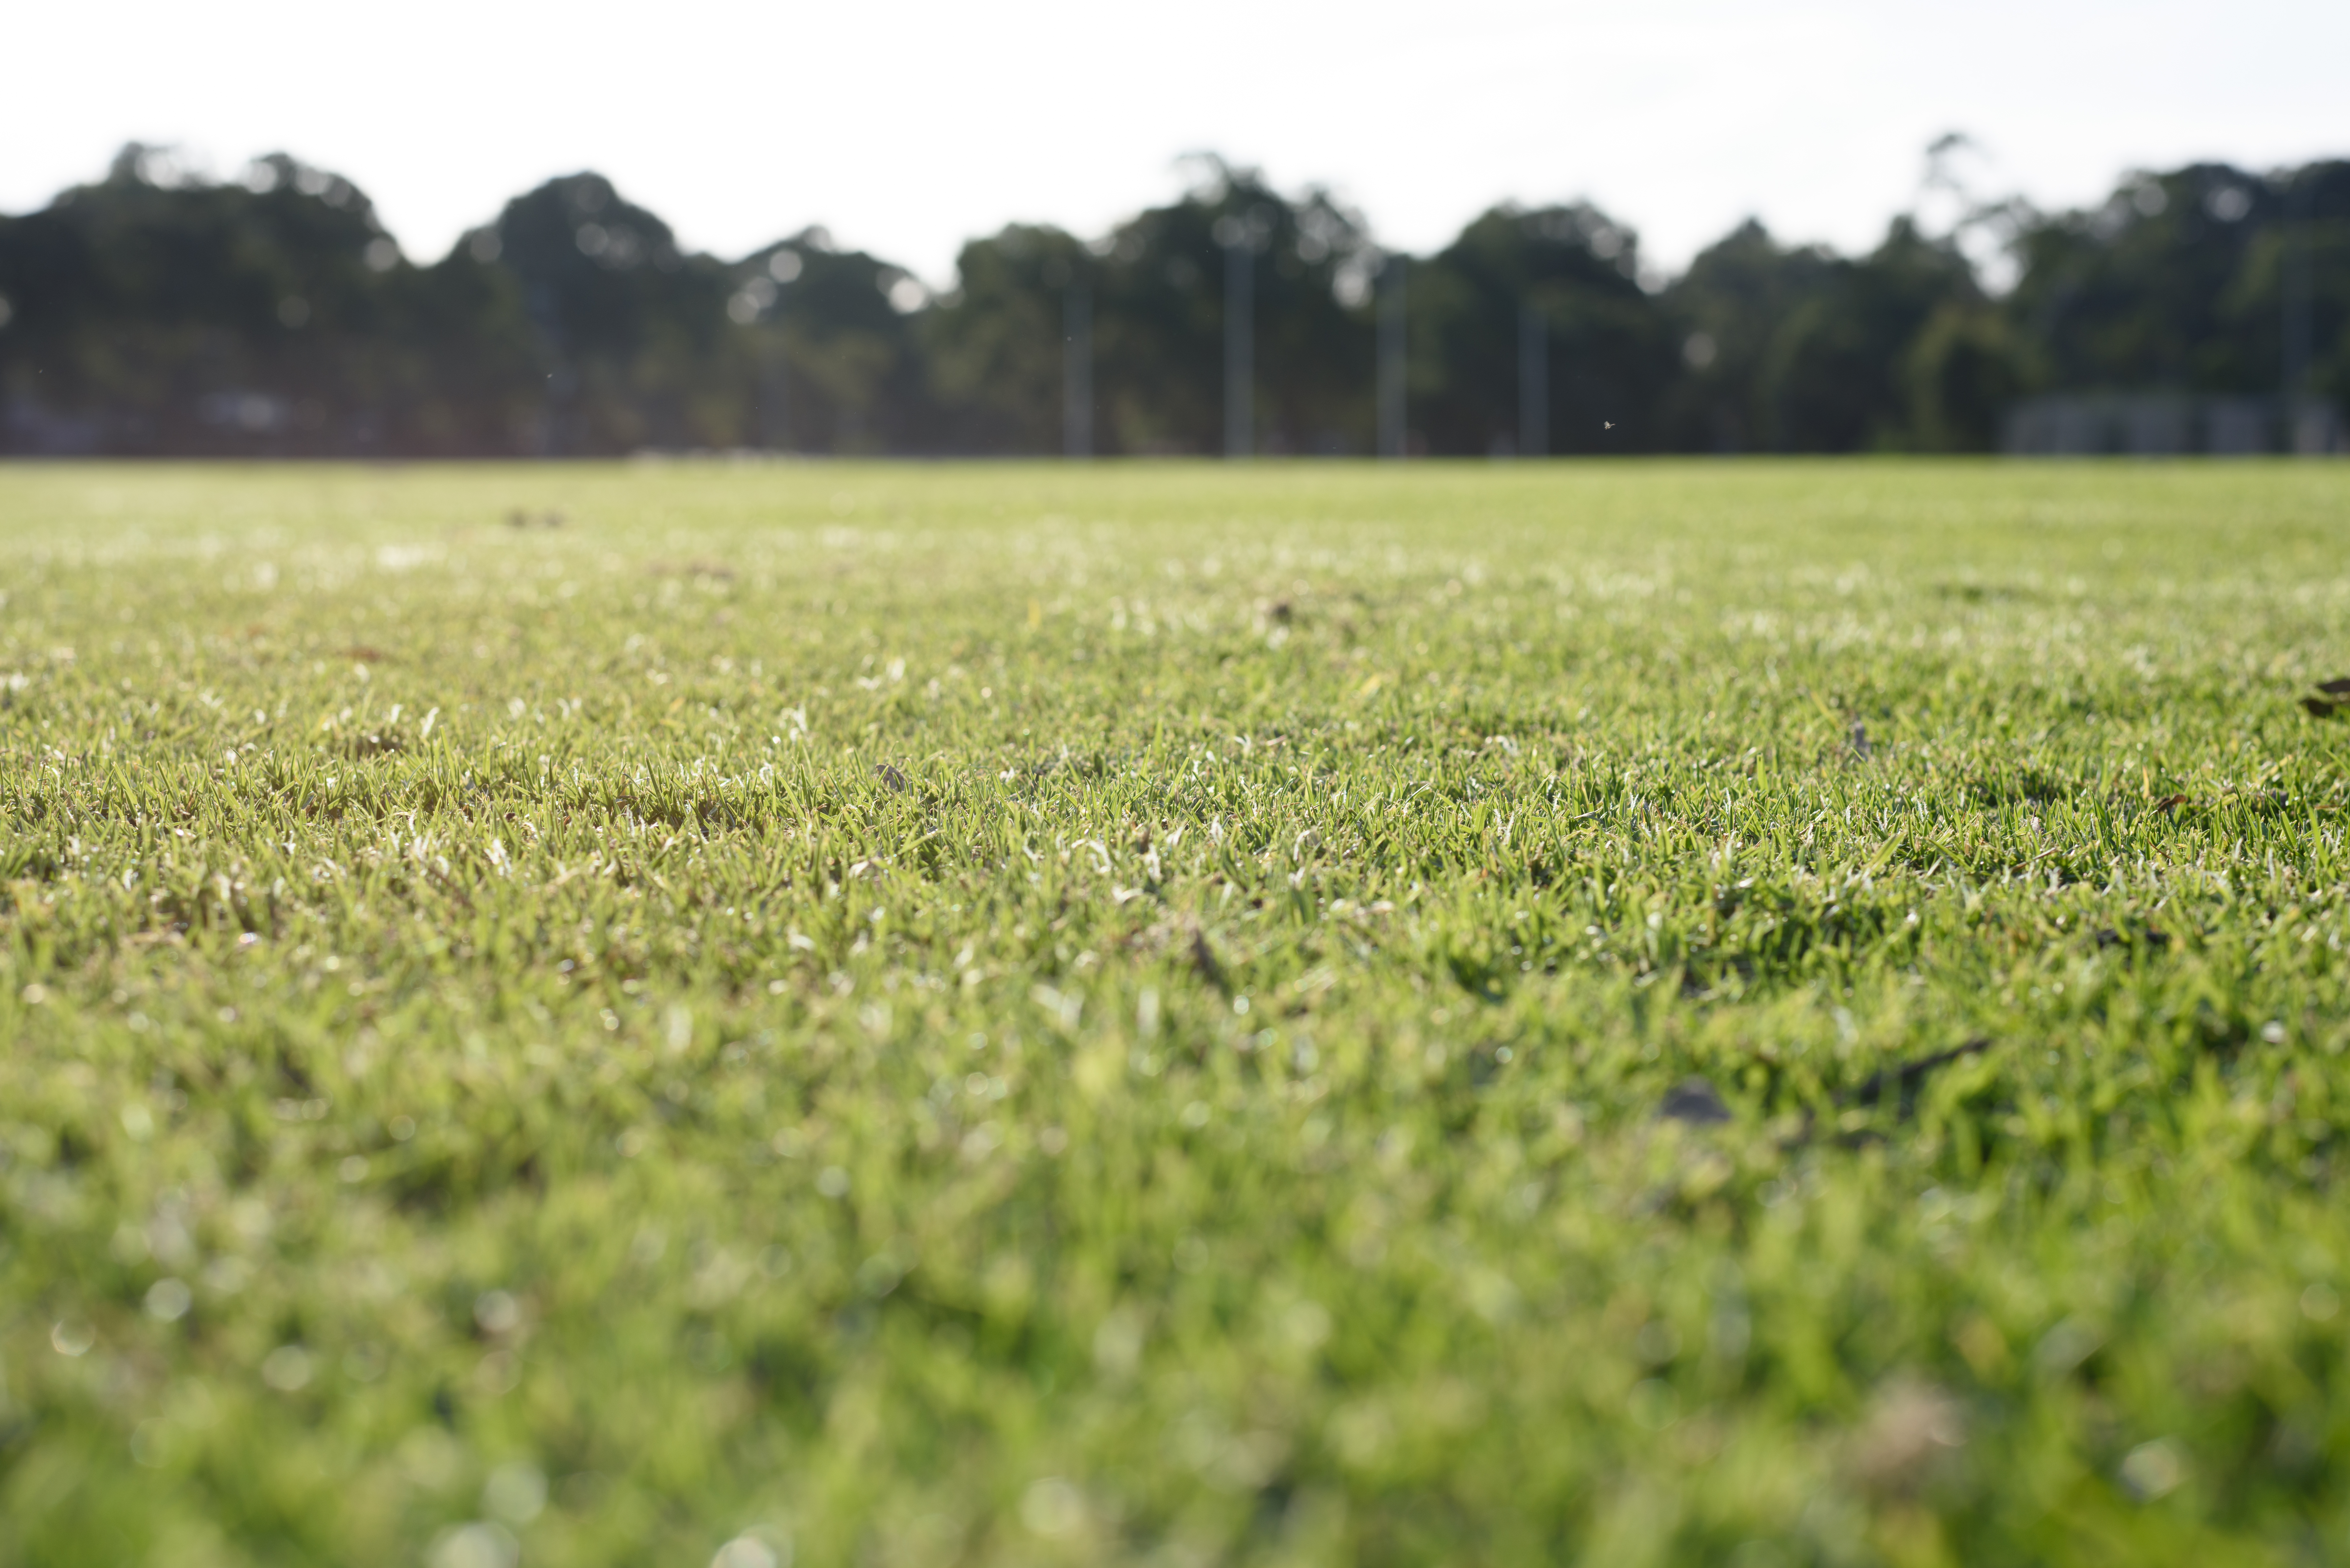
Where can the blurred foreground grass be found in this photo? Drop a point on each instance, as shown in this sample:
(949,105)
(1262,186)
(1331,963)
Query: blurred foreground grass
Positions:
(616,1016)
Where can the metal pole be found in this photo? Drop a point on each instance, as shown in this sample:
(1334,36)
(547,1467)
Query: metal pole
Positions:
(774,361)
(2292,264)
(778,398)
(1392,410)
(1077,372)
(1239,374)
(1533,382)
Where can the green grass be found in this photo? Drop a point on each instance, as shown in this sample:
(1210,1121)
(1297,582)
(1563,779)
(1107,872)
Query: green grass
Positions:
(1044,1015)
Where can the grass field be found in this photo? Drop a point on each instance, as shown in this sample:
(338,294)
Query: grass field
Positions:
(1042,1015)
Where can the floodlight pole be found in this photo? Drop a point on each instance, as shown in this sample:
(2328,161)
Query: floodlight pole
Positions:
(1240,371)
(777,376)
(1392,410)
(1077,372)
(1533,382)
(778,399)
(2293,265)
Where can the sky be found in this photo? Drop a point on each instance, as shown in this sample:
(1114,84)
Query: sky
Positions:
(907,128)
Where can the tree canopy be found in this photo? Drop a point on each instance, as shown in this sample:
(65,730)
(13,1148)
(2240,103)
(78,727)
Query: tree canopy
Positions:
(150,313)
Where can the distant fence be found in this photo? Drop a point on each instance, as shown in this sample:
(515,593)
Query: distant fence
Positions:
(2172,425)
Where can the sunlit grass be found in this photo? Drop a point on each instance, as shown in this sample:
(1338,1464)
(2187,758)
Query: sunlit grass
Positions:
(1039,1015)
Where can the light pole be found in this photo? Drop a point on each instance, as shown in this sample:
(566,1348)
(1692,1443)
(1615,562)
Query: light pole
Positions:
(2292,287)
(784,267)
(1077,372)
(1392,410)
(1239,348)
(1533,381)
(778,395)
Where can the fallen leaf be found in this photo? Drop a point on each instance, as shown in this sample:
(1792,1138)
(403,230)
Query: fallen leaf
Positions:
(1695,1101)
(1906,1077)
(1203,959)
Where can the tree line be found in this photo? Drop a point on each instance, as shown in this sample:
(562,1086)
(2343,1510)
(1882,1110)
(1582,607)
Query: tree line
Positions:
(150,313)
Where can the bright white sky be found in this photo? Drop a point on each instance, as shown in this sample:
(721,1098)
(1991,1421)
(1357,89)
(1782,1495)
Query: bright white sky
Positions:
(908,126)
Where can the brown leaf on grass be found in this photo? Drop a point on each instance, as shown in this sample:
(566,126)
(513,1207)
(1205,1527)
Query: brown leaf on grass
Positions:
(364,654)
(891,779)
(1695,1101)
(2335,696)
(2171,802)
(1906,1077)
(1897,1084)
(1203,959)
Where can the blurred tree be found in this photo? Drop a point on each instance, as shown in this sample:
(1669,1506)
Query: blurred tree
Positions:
(152,311)
(995,342)
(1832,379)
(1960,374)
(1607,344)
(2177,281)
(273,317)
(2297,275)
(842,370)
(1797,349)
(1725,312)
(633,332)
(1160,318)
(2127,295)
